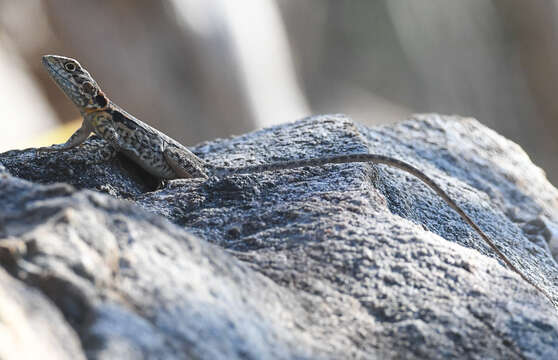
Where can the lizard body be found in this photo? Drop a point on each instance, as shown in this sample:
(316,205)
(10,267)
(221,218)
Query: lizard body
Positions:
(154,151)
(166,158)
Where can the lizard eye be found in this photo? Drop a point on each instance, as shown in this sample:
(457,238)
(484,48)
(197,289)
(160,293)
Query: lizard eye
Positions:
(70,66)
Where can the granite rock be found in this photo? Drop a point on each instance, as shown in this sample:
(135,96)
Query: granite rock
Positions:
(339,261)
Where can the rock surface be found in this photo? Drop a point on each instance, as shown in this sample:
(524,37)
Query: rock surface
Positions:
(340,261)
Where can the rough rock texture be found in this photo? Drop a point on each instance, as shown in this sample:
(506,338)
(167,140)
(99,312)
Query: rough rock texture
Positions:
(340,261)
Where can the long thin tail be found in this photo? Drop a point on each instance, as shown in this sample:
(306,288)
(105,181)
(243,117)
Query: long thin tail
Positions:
(386,160)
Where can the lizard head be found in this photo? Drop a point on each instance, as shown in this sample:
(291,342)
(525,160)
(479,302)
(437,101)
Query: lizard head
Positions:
(75,82)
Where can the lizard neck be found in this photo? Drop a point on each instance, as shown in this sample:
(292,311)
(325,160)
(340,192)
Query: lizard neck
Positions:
(99,102)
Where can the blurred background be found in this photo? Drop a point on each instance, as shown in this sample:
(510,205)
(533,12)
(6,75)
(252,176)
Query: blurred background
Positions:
(200,69)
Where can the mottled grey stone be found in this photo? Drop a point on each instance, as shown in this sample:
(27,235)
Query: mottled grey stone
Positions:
(118,177)
(340,261)
(30,326)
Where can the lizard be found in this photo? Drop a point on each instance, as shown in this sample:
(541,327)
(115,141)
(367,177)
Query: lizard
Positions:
(167,159)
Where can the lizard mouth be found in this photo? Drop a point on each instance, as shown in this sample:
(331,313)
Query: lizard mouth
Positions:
(54,73)
(58,76)
(50,68)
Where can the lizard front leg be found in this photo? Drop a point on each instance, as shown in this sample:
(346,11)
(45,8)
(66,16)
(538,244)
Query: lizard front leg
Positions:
(77,138)
(103,153)
(103,126)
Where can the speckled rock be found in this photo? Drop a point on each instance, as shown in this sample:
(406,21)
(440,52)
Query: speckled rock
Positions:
(341,261)
(118,177)
(31,327)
